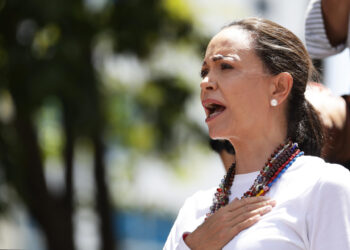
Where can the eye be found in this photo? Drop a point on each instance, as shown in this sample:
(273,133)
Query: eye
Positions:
(204,72)
(226,66)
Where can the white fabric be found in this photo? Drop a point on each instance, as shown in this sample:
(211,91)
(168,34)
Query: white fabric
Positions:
(312,211)
(317,42)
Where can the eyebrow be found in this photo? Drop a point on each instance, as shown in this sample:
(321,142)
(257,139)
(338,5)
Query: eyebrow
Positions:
(220,57)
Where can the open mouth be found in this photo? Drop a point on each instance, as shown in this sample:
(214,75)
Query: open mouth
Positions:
(213,109)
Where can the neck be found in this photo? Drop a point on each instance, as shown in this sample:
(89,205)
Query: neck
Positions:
(252,154)
(227,159)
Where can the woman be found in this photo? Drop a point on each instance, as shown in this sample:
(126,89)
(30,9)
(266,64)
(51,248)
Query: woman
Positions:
(254,76)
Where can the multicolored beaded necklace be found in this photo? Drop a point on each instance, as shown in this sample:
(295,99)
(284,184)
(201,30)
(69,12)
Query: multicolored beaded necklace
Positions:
(282,158)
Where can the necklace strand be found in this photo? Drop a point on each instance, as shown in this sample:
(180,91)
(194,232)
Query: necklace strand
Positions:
(282,158)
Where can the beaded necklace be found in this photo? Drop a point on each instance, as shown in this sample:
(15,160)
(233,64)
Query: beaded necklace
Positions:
(282,158)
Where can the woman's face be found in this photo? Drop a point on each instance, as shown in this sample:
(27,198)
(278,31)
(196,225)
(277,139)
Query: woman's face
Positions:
(235,87)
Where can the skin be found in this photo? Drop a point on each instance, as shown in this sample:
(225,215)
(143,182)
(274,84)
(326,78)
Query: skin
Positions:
(331,108)
(233,75)
(245,88)
(227,222)
(336,15)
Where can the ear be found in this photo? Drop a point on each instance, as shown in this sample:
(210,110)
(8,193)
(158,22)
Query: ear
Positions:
(281,87)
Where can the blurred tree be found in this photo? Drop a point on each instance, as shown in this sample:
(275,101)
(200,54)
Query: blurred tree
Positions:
(47,53)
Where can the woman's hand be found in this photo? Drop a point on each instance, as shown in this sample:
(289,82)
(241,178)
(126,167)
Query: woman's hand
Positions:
(228,221)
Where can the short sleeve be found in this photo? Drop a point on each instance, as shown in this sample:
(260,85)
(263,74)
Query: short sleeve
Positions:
(175,240)
(328,218)
(316,39)
(190,216)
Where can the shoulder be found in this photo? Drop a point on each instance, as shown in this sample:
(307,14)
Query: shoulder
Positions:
(335,176)
(320,174)
(195,207)
(198,201)
(329,177)
(190,216)
(327,214)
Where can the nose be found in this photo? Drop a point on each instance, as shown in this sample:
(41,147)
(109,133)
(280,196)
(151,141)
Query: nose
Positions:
(208,84)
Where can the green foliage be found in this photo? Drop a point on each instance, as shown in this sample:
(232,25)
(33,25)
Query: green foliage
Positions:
(50,132)
(50,70)
(165,109)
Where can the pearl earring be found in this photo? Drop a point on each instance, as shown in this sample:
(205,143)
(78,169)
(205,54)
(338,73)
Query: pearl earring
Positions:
(273,102)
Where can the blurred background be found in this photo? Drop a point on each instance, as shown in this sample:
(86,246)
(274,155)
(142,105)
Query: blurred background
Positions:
(102,135)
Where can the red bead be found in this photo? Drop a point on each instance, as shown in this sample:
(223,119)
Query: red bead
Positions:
(269,173)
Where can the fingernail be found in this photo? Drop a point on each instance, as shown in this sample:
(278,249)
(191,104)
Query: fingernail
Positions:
(272,202)
(256,217)
(267,209)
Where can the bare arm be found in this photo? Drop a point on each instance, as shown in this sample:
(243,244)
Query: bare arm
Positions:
(331,108)
(336,16)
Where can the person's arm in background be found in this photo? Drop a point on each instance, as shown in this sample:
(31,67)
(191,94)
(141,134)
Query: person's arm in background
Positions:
(331,108)
(326,34)
(336,18)
(326,27)
(334,112)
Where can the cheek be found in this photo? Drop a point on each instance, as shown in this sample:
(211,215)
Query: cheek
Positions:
(246,94)
(256,93)
(247,104)
(241,96)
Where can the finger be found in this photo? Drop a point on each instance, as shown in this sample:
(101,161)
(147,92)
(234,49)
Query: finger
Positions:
(235,204)
(237,228)
(247,215)
(253,206)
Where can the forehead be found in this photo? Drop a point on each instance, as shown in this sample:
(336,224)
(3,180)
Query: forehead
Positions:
(232,40)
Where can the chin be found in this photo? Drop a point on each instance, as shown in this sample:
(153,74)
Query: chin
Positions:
(218,135)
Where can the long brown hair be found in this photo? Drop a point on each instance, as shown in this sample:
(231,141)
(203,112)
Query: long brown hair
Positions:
(282,51)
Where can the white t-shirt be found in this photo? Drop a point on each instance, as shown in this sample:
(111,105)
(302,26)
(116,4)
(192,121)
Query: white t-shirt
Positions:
(312,210)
